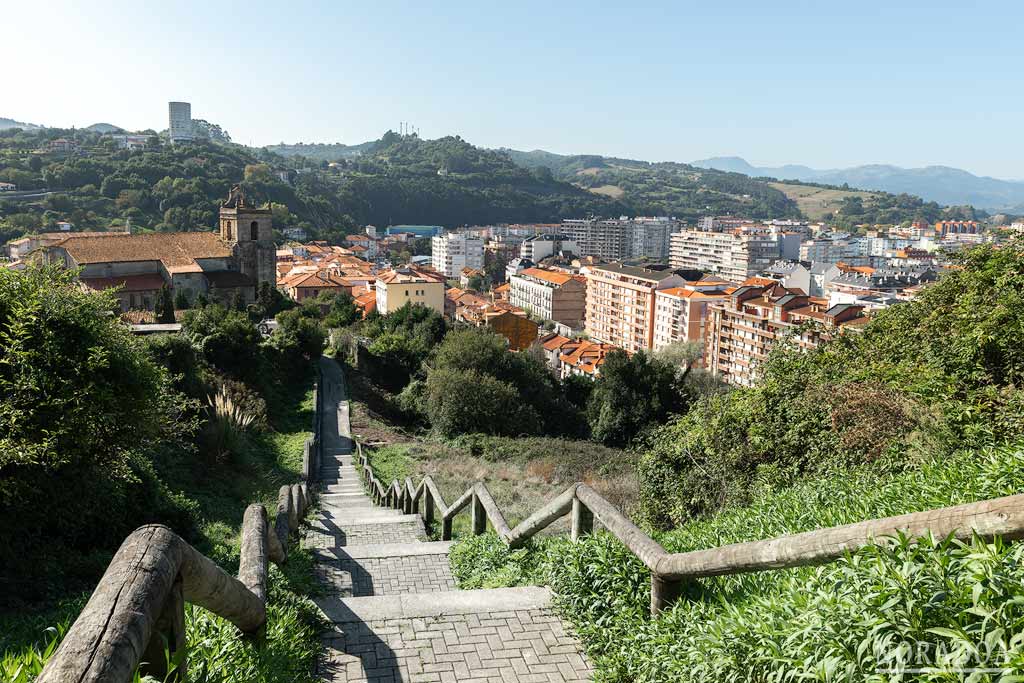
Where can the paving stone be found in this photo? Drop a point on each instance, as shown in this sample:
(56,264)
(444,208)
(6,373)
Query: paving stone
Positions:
(398,617)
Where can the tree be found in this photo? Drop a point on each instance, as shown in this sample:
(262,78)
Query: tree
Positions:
(343,311)
(632,392)
(181,301)
(467,402)
(84,411)
(165,306)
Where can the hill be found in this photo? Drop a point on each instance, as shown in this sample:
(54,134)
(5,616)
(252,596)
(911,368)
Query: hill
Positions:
(6,123)
(665,188)
(322,152)
(104,128)
(402,180)
(942,184)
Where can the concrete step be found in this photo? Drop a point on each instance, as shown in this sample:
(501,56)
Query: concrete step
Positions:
(429,605)
(383,550)
(350,518)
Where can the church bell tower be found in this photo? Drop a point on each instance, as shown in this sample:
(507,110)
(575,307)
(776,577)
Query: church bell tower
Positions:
(249,231)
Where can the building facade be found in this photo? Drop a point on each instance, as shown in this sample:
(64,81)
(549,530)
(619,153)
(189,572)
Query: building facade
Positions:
(179,127)
(542,246)
(453,251)
(744,327)
(409,285)
(734,255)
(551,295)
(226,266)
(620,304)
(680,313)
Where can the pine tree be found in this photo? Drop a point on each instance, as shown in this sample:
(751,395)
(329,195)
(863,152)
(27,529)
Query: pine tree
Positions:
(165,306)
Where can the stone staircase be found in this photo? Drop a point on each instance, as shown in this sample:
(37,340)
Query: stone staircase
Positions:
(396,612)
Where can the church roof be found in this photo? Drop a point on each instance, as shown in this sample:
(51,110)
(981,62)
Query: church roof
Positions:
(173,249)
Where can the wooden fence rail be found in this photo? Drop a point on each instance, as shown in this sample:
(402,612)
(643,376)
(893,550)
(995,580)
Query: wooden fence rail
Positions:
(671,571)
(137,612)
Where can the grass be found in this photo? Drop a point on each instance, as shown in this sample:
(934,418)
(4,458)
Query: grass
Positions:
(521,473)
(939,601)
(815,202)
(254,473)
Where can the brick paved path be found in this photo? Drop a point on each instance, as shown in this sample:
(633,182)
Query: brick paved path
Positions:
(397,615)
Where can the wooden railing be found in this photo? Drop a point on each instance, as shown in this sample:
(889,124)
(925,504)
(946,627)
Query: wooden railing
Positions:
(671,571)
(136,615)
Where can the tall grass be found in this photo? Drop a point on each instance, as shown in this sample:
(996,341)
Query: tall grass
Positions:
(938,604)
(227,424)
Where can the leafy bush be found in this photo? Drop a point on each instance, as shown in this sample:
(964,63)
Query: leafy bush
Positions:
(465,401)
(840,622)
(225,338)
(632,392)
(83,408)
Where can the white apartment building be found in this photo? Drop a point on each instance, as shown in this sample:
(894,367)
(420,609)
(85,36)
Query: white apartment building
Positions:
(453,251)
(651,237)
(835,249)
(550,294)
(605,239)
(542,246)
(180,121)
(733,255)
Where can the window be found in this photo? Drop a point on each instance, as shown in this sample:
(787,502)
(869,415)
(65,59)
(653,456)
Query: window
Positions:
(254,231)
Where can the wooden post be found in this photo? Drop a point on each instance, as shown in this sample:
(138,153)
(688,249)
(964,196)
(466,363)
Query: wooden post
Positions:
(167,641)
(479,516)
(664,592)
(446,528)
(428,507)
(582,520)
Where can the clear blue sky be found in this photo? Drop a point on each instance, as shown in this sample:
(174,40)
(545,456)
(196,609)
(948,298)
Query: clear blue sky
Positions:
(823,83)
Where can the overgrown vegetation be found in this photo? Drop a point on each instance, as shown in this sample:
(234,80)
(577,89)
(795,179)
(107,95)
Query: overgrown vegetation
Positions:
(465,381)
(845,621)
(922,379)
(104,432)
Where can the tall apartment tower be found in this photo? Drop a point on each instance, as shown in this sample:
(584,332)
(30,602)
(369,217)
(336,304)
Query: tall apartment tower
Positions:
(250,232)
(180,121)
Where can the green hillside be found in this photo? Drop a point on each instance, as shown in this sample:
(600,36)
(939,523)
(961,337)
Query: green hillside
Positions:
(178,187)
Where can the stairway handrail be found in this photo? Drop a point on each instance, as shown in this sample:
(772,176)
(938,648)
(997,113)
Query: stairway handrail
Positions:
(670,572)
(138,606)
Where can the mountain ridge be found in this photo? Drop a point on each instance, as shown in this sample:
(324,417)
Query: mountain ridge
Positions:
(944,184)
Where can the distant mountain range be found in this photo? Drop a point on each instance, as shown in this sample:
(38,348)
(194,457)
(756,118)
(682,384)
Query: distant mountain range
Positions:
(942,184)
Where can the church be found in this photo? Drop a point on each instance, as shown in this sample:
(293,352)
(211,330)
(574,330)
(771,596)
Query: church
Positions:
(220,266)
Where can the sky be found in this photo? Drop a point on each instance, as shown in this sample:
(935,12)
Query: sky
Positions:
(827,84)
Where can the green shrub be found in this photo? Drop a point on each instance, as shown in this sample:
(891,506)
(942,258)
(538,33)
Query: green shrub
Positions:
(919,380)
(84,411)
(838,622)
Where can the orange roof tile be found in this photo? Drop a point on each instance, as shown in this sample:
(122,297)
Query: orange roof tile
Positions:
(554,277)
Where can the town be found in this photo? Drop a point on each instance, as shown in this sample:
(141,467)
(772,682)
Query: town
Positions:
(729,285)
(436,343)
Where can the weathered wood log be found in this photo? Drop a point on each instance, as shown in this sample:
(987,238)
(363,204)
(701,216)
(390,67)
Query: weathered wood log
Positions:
(642,545)
(111,633)
(293,509)
(997,517)
(168,640)
(209,586)
(428,506)
(485,499)
(281,519)
(479,518)
(542,518)
(582,520)
(277,554)
(252,567)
